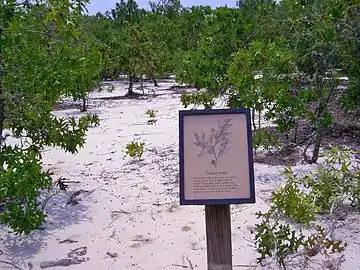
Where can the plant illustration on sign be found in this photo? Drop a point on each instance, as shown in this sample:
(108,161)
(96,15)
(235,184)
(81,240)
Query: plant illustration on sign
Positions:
(216,144)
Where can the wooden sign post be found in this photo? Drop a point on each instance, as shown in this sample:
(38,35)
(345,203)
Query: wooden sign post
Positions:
(216,170)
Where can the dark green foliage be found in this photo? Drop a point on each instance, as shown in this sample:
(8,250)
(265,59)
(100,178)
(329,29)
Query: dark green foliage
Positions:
(280,60)
(274,238)
(265,139)
(206,100)
(205,66)
(350,38)
(21,178)
(41,60)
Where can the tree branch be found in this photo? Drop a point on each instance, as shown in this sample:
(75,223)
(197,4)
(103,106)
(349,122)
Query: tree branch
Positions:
(11,264)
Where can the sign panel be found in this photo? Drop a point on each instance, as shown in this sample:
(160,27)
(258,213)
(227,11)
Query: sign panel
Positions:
(216,160)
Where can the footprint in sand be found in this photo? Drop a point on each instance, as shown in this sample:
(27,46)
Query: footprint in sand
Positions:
(140,241)
(186,228)
(173,208)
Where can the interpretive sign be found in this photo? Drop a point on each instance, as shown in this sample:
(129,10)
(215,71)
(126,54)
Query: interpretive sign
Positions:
(216,162)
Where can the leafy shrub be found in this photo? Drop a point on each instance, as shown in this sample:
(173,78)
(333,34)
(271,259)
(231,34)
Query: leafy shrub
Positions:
(135,149)
(204,99)
(67,63)
(21,178)
(263,138)
(330,186)
(152,116)
(271,238)
(293,202)
(354,189)
(319,241)
(334,181)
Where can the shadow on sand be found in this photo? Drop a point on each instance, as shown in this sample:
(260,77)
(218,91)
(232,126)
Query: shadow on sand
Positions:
(20,249)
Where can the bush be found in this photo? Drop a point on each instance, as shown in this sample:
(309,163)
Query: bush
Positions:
(328,188)
(293,202)
(152,115)
(265,139)
(135,150)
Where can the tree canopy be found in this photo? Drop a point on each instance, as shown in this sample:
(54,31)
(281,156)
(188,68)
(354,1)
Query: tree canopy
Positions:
(43,57)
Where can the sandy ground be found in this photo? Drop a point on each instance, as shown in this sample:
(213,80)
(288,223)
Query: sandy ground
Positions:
(127,214)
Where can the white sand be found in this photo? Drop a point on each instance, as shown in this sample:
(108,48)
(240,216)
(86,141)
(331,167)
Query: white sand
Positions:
(133,213)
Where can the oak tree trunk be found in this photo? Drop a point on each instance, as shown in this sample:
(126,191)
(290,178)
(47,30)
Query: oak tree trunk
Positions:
(83,106)
(130,89)
(142,85)
(155,82)
(320,115)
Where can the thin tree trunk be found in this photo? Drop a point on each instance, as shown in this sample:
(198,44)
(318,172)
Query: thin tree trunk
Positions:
(130,89)
(259,121)
(155,82)
(253,119)
(296,130)
(320,116)
(317,144)
(320,127)
(2,102)
(83,107)
(142,85)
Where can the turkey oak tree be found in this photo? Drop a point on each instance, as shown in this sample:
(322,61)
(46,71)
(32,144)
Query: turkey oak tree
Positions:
(40,62)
